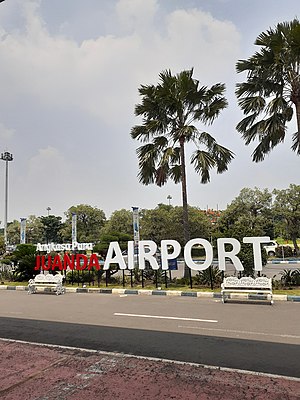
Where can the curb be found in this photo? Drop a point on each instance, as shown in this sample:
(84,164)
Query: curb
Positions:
(173,293)
(283,262)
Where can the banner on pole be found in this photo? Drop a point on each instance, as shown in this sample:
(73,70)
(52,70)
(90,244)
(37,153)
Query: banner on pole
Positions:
(74,227)
(23,231)
(136,228)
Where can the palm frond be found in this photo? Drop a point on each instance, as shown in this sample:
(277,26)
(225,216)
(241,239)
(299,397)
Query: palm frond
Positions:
(175,173)
(203,162)
(296,142)
(272,88)
(222,156)
(170,111)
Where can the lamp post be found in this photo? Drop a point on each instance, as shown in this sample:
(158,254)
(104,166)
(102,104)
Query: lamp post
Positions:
(6,156)
(48,209)
(169,197)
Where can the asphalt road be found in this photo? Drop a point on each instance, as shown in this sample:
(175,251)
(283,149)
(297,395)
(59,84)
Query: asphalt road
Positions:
(254,337)
(270,270)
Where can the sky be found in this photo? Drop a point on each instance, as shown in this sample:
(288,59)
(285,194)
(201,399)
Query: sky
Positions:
(69,77)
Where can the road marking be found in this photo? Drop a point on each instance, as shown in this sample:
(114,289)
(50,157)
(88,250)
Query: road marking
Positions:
(163,317)
(166,360)
(240,332)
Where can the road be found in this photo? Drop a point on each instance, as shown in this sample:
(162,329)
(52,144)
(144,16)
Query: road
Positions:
(270,270)
(254,337)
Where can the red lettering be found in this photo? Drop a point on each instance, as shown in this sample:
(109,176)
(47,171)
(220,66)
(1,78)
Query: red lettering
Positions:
(56,263)
(81,265)
(37,263)
(69,262)
(44,266)
(93,262)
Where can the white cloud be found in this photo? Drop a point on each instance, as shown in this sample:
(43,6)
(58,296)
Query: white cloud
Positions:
(101,76)
(45,75)
(71,102)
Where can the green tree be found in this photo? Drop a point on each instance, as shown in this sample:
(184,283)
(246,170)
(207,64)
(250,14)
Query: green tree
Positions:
(287,211)
(119,221)
(105,239)
(52,226)
(34,230)
(169,111)
(165,222)
(90,220)
(13,232)
(24,259)
(2,245)
(271,91)
(157,224)
(249,214)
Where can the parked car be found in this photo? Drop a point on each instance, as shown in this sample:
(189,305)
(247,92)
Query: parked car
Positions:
(270,247)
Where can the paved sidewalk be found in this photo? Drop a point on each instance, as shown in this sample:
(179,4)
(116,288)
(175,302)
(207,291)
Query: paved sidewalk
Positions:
(37,372)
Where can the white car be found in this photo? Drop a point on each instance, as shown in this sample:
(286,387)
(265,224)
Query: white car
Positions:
(270,247)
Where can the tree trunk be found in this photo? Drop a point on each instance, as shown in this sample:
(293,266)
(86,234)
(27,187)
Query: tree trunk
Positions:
(295,98)
(186,229)
(296,247)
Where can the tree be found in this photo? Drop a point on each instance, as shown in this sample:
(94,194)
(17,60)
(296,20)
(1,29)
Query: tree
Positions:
(169,111)
(157,224)
(165,222)
(271,91)
(119,221)
(34,230)
(24,259)
(13,232)
(287,209)
(2,245)
(90,220)
(249,214)
(52,226)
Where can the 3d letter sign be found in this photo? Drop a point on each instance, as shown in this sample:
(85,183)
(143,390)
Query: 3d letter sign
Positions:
(170,249)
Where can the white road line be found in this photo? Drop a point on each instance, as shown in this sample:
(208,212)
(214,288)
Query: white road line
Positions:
(163,317)
(240,332)
(116,354)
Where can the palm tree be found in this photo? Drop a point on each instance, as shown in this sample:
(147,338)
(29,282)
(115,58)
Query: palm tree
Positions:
(271,92)
(169,111)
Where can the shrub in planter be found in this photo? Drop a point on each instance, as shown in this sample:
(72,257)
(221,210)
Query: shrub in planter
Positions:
(208,277)
(284,251)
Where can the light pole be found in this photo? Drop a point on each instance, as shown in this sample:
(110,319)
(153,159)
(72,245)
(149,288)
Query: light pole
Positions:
(169,197)
(48,209)
(6,156)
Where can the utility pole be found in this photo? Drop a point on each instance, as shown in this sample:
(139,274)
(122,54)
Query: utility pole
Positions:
(6,156)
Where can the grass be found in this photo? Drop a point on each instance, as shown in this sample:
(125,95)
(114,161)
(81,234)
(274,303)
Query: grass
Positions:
(282,242)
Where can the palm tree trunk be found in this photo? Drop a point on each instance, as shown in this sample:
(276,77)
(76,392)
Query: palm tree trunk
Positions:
(186,228)
(298,121)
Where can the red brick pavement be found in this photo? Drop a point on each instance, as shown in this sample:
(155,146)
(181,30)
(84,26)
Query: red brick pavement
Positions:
(35,372)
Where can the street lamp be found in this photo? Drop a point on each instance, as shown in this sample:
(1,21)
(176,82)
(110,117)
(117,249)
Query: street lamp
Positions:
(169,197)
(6,156)
(48,209)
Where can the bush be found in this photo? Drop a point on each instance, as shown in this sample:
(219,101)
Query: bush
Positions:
(284,251)
(290,278)
(24,259)
(209,277)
